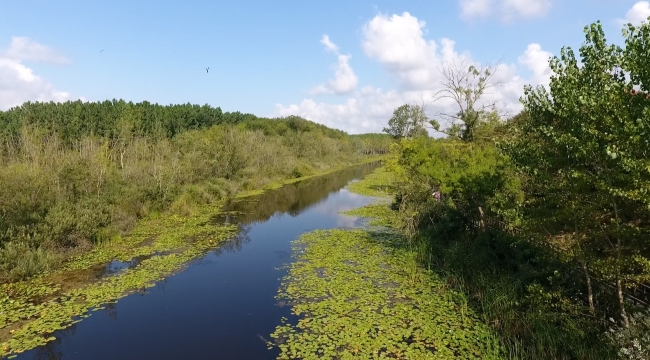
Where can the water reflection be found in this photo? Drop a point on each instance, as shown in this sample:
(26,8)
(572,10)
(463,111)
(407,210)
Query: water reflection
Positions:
(290,199)
(222,304)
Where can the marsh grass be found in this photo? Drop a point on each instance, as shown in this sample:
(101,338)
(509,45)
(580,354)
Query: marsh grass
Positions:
(532,324)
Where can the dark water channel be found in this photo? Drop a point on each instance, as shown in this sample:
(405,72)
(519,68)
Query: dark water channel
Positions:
(221,304)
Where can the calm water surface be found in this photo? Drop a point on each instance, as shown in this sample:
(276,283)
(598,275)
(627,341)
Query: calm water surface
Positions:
(221,305)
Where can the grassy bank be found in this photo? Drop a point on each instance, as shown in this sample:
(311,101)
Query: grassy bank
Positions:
(362,294)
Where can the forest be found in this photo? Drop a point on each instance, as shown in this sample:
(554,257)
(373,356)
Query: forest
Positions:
(77,174)
(543,220)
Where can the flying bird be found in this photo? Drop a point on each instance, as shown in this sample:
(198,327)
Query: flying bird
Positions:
(101,50)
(207,70)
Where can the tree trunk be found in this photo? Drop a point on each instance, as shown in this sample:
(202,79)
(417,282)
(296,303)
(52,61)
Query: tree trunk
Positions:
(621,302)
(619,285)
(590,292)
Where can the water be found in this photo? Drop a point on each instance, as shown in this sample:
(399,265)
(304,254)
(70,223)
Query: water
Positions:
(222,305)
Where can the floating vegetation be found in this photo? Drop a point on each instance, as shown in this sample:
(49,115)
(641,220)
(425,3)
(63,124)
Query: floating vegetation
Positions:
(41,320)
(361,295)
(380,214)
(377,184)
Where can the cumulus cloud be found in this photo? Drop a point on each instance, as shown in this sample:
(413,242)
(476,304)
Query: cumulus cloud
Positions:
(345,80)
(24,49)
(397,42)
(536,60)
(18,83)
(637,14)
(507,10)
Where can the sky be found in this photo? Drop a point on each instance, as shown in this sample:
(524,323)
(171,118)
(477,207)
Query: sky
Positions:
(345,64)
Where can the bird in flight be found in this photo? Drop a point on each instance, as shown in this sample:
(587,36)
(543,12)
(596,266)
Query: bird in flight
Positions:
(207,70)
(101,50)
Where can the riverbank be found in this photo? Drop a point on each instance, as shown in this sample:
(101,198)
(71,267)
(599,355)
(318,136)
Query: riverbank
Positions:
(158,247)
(361,293)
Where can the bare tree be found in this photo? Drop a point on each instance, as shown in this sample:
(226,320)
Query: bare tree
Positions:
(466,85)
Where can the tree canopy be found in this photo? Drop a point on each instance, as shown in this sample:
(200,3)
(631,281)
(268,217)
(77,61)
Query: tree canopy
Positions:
(407,122)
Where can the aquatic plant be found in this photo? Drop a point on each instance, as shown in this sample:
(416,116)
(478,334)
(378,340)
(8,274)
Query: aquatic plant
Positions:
(357,296)
(377,184)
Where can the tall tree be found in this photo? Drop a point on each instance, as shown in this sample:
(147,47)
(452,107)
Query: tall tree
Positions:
(585,148)
(407,122)
(466,86)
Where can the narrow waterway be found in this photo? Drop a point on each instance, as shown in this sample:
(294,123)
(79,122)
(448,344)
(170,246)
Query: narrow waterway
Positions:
(222,305)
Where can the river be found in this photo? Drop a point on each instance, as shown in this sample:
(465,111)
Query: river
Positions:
(222,305)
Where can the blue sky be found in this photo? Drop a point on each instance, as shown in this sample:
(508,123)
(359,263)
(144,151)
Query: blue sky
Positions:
(268,57)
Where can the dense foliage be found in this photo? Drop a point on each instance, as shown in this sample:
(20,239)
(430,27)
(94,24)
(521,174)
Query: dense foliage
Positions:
(407,122)
(372,144)
(73,120)
(75,174)
(544,219)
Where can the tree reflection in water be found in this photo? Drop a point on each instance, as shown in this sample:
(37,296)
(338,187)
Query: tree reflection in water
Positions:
(291,199)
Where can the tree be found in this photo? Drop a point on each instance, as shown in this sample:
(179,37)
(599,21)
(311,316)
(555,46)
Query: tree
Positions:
(584,147)
(407,122)
(466,87)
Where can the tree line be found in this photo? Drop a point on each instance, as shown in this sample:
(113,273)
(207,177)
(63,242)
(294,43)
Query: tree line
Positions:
(543,219)
(72,120)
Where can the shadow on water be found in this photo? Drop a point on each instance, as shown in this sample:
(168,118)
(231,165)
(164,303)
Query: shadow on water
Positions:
(223,303)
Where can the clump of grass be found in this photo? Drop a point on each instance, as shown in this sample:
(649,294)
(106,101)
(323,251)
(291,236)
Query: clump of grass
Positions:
(19,261)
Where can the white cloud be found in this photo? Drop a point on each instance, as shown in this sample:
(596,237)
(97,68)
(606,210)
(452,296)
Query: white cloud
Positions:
(345,80)
(637,14)
(507,10)
(24,49)
(398,43)
(536,59)
(329,45)
(475,8)
(18,83)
